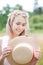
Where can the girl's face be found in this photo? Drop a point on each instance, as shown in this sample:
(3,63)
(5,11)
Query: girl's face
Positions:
(19,26)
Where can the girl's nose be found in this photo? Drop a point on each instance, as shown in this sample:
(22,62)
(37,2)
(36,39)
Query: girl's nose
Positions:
(21,27)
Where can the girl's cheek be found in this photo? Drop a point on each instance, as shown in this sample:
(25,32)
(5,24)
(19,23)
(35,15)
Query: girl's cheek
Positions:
(14,27)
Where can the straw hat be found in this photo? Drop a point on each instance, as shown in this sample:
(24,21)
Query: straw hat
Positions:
(22,50)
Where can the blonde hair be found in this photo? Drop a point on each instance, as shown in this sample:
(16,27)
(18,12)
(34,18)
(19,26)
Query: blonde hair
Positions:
(11,18)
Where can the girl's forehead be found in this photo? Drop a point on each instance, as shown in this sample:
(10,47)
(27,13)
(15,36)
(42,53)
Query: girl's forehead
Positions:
(19,19)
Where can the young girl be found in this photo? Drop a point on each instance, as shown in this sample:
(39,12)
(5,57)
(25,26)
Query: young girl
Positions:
(17,25)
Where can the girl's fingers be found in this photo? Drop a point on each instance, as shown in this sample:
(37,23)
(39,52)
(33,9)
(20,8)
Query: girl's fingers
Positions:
(22,33)
(6,52)
(36,54)
(7,49)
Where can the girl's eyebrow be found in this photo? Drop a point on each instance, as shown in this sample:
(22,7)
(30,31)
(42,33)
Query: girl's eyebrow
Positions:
(18,22)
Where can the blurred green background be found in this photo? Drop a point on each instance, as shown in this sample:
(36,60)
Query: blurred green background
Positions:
(35,21)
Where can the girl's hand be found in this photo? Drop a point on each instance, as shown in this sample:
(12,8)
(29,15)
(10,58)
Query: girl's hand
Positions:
(35,57)
(6,52)
(36,54)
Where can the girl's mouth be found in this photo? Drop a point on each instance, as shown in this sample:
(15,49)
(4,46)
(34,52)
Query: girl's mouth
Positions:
(22,33)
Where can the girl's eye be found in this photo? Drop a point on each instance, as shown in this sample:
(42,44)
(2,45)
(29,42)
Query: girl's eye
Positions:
(18,23)
(23,24)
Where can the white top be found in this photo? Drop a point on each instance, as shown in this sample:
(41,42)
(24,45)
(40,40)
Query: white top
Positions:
(4,44)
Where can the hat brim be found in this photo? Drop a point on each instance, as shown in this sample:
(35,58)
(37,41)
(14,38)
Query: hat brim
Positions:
(18,40)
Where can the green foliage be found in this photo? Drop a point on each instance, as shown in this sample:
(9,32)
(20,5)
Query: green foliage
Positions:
(3,31)
(3,16)
(19,7)
(36,22)
(3,20)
